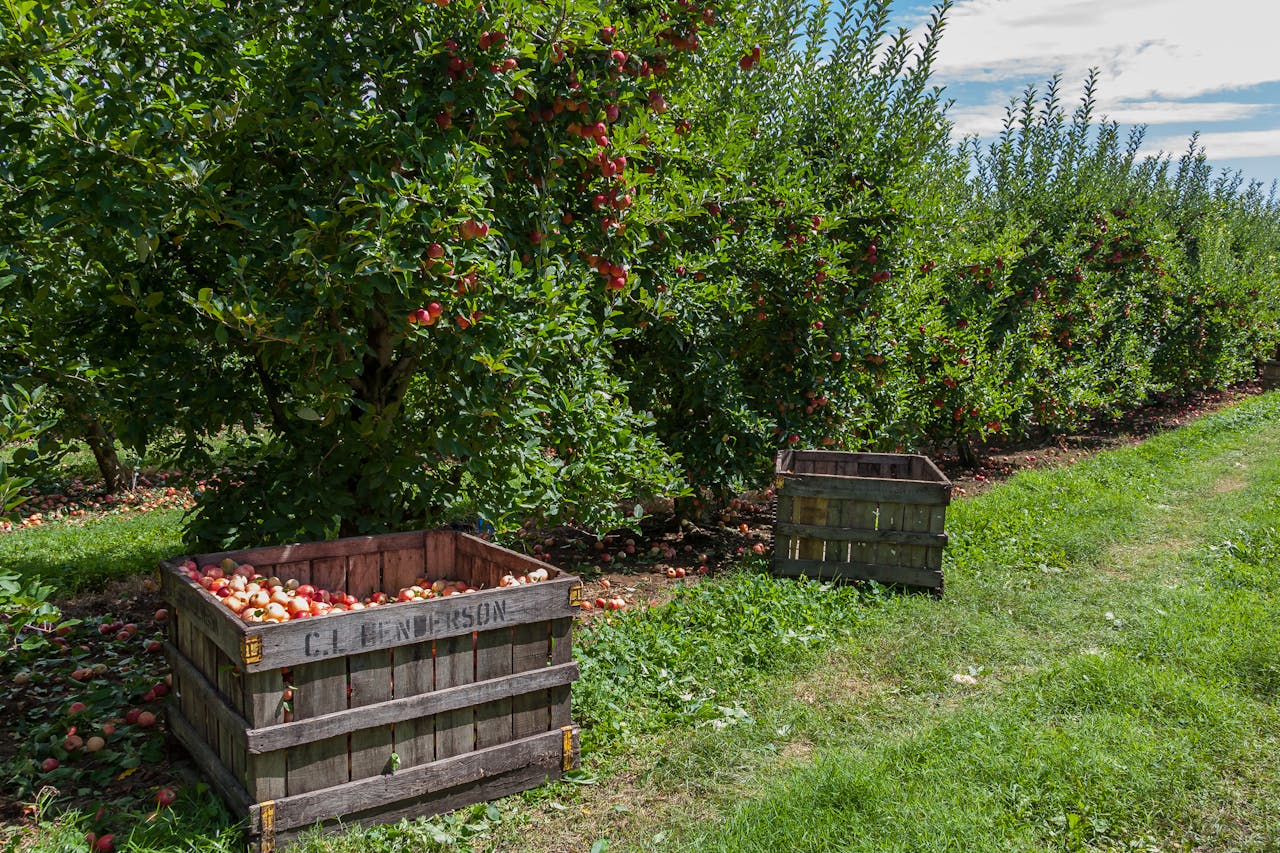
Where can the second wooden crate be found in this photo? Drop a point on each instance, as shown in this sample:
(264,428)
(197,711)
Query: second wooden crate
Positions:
(860,516)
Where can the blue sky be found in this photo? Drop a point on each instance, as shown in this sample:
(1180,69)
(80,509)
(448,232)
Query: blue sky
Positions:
(1176,66)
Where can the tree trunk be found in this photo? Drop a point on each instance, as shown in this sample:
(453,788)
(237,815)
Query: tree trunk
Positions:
(115,477)
(968,456)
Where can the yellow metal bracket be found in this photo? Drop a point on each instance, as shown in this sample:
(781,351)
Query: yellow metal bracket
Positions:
(251,649)
(267,816)
(575,595)
(568,747)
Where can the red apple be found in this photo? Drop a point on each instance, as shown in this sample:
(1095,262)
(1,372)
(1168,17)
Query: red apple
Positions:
(49,765)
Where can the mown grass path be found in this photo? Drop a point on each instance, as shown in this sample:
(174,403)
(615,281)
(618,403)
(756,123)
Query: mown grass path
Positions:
(1103,674)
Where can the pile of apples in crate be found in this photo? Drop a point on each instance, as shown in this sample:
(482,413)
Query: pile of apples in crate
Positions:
(254,598)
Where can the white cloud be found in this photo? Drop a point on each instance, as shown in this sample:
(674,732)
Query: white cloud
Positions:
(1227,145)
(1145,49)
(1152,57)
(987,119)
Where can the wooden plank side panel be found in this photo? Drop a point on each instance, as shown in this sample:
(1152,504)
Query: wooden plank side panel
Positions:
(561,653)
(530,649)
(890,519)
(905,575)
(493,660)
(359,796)
(370,679)
(881,488)
(455,665)
(401,568)
(394,711)
(299,570)
(329,573)
(413,675)
(937,523)
(230,737)
(438,552)
(265,774)
(835,548)
(318,688)
(784,547)
(915,519)
(811,510)
(364,574)
(307,551)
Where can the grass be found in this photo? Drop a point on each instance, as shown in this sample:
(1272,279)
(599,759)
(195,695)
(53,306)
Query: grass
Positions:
(1103,674)
(75,557)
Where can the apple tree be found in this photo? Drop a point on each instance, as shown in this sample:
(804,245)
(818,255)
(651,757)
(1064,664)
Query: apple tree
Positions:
(407,224)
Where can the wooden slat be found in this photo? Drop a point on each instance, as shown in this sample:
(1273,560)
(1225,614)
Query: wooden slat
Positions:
(455,665)
(890,523)
(512,561)
(937,523)
(784,547)
(299,570)
(308,551)
(364,574)
(438,548)
(318,688)
(202,693)
(818,569)
(327,573)
(356,796)
(860,515)
(863,488)
(401,569)
(915,521)
(286,735)
(561,655)
(493,660)
(530,650)
(414,680)
(223,782)
(393,625)
(230,735)
(850,534)
(483,790)
(266,774)
(370,677)
(810,513)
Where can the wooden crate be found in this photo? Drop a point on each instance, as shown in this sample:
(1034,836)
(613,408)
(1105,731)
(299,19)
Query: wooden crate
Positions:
(860,516)
(1270,377)
(471,692)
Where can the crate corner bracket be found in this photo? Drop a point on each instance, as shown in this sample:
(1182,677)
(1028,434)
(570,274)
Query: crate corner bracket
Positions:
(251,649)
(575,595)
(568,748)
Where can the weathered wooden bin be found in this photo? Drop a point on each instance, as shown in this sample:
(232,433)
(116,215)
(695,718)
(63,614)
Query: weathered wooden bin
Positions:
(860,516)
(470,692)
(1270,377)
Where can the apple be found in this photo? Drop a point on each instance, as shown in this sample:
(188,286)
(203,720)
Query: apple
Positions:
(105,844)
(146,719)
(131,716)
(108,729)
(165,797)
(49,765)
(94,744)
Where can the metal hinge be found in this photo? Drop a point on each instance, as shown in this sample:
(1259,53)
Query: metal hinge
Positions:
(251,649)
(267,816)
(568,747)
(575,595)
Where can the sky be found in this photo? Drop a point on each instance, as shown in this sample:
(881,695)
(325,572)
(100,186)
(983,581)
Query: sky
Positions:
(1176,66)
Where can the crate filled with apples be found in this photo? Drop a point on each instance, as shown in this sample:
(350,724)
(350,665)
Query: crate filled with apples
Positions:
(241,589)
(371,678)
